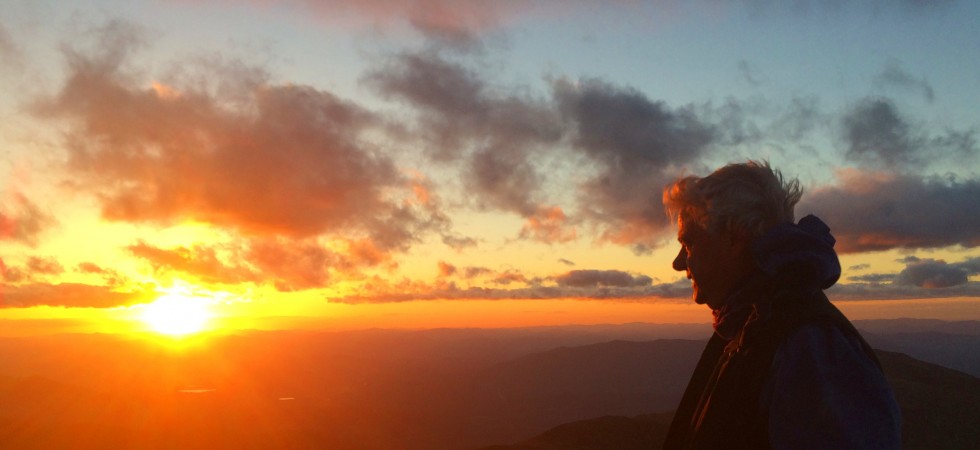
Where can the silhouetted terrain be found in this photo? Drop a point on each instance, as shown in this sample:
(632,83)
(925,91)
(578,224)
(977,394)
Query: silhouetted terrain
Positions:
(940,408)
(378,389)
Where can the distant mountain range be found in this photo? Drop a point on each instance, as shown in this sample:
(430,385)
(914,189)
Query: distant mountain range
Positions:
(431,389)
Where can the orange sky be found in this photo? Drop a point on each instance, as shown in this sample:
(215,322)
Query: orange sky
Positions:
(462,167)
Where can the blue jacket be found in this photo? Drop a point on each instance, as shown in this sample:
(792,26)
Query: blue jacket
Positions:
(785,369)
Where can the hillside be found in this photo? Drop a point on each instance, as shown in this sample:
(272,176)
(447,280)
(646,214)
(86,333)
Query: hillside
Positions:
(940,407)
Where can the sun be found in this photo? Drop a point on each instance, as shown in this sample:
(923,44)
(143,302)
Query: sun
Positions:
(176,314)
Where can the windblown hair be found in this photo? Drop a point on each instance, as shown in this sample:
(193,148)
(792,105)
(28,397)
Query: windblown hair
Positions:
(740,200)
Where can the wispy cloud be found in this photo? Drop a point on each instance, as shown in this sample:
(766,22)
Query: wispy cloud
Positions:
(877,134)
(23,221)
(68,294)
(893,75)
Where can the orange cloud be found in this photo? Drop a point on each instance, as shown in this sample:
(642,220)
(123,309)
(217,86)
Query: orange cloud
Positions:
(69,295)
(23,221)
(548,225)
(446,269)
(264,159)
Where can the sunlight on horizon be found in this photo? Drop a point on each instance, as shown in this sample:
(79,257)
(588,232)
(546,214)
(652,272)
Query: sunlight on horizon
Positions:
(178,312)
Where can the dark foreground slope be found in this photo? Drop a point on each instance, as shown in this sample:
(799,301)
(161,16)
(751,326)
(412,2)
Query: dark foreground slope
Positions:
(940,409)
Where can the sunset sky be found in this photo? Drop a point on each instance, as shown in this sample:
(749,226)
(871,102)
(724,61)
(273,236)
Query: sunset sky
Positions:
(435,163)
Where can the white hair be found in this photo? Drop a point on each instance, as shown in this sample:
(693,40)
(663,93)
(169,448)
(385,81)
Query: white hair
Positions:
(741,200)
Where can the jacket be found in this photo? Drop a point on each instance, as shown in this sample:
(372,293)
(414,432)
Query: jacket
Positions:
(748,387)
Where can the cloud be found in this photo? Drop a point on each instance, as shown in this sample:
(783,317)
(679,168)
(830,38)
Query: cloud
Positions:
(549,225)
(35,268)
(873,130)
(379,290)
(494,133)
(111,277)
(259,158)
(874,211)
(9,49)
(920,278)
(457,242)
(893,291)
(894,76)
(287,264)
(873,278)
(601,278)
(876,133)
(69,295)
(23,221)
(931,273)
(201,261)
(749,73)
(446,269)
(44,266)
(634,143)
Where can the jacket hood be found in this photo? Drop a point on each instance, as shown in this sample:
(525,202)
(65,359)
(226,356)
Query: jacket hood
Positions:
(801,254)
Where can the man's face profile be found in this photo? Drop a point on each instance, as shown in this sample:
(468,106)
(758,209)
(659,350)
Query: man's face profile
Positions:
(713,262)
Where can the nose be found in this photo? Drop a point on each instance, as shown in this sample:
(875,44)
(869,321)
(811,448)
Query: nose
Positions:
(680,262)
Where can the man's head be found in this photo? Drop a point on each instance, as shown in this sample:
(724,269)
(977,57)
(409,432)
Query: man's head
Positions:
(718,216)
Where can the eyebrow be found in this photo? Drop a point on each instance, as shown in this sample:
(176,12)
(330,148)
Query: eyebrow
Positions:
(684,238)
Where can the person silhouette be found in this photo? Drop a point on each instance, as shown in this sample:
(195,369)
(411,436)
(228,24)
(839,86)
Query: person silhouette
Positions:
(784,368)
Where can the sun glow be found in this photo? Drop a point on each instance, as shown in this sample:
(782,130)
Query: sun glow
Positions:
(177,314)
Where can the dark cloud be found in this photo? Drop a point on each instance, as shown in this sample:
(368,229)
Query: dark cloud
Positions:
(509,277)
(23,221)
(385,291)
(859,267)
(872,211)
(894,76)
(634,143)
(920,278)
(504,179)
(457,242)
(566,262)
(749,73)
(69,295)
(892,291)
(601,278)
(876,133)
(256,157)
(461,118)
(931,273)
(623,128)
(873,278)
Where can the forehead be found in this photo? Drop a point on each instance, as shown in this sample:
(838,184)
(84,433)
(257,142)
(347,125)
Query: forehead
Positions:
(688,230)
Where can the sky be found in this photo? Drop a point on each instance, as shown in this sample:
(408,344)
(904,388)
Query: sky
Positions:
(431,163)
